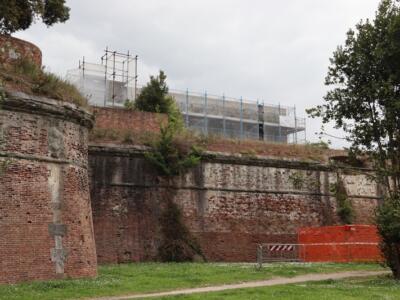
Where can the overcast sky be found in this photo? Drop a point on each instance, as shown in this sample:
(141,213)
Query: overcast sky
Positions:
(276,51)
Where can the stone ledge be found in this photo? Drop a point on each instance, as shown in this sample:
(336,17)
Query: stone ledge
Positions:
(216,157)
(109,149)
(18,101)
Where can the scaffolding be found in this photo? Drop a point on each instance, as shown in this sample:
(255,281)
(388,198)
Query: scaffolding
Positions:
(110,83)
(114,81)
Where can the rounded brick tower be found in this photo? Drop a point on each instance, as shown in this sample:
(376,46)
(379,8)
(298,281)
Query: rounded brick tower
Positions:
(46,228)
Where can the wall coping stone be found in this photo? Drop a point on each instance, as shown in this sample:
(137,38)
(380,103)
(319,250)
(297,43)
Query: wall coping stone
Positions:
(18,101)
(109,149)
(216,157)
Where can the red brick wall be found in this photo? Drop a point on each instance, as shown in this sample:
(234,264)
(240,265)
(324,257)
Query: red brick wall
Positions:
(230,206)
(349,243)
(45,186)
(12,48)
(124,119)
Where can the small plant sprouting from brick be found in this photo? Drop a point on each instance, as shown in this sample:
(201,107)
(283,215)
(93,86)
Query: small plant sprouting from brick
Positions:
(297,180)
(129,104)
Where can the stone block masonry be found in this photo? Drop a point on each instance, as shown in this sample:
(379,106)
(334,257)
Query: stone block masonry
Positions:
(230,203)
(46,229)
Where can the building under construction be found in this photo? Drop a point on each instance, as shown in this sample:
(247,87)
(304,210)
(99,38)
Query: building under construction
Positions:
(114,80)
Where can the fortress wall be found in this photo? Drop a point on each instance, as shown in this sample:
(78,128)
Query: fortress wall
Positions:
(230,203)
(46,228)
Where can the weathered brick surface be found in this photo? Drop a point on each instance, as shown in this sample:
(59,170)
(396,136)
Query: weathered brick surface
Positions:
(230,205)
(12,48)
(45,183)
(124,119)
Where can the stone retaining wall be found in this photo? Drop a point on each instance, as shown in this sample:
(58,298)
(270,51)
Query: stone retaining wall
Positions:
(230,203)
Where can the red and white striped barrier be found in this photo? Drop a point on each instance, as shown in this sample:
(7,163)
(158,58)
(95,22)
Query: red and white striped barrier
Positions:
(281,248)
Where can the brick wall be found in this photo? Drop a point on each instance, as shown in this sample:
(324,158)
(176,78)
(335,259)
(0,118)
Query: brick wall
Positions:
(12,48)
(46,228)
(229,203)
(124,119)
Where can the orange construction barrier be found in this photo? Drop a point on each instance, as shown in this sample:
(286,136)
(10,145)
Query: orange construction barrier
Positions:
(348,243)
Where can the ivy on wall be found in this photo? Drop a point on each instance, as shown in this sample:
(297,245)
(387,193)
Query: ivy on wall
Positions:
(344,207)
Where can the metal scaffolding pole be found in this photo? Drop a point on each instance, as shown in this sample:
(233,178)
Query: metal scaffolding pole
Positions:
(241,117)
(113,83)
(127,75)
(279,124)
(223,116)
(295,125)
(205,114)
(187,109)
(136,76)
(105,75)
(305,130)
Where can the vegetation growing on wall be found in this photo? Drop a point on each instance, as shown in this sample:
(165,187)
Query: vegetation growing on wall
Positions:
(344,208)
(27,77)
(297,180)
(171,157)
(173,153)
(20,14)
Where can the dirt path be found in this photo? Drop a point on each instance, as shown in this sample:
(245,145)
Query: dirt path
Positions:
(251,284)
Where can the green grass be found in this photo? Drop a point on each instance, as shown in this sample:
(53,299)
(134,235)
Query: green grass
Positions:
(152,277)
(363,288)
(26,76)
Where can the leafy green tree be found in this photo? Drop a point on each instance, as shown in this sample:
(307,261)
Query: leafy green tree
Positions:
(20,14)
(154,96)
(364,101)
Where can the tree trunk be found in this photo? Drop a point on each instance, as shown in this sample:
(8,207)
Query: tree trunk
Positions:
(393,258)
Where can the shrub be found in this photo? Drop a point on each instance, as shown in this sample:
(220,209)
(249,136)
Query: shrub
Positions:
(344,208)
(170,155)
(154,96)
(388,223)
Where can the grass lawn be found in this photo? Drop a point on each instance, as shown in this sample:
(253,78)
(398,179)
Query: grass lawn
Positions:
(377,288)
(152,277)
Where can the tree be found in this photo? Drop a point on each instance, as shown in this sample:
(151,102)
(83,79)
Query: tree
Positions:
(364,101)
(19,14)
(154,96)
